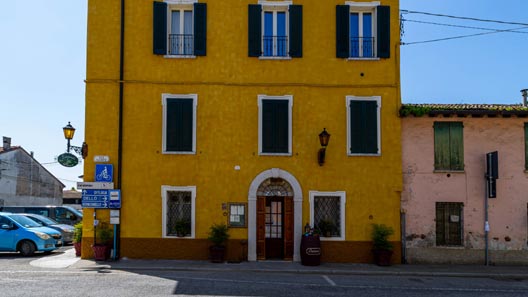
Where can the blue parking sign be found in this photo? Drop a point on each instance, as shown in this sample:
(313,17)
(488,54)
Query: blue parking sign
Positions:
(104,172)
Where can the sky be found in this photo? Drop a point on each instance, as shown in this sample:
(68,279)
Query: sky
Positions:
(43,66)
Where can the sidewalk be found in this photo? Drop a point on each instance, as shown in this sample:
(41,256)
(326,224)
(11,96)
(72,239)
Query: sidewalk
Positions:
(510,272)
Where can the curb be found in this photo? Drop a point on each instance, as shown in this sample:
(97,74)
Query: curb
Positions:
(516,276)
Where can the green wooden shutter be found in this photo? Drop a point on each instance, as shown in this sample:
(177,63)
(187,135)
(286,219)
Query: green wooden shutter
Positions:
(275,124)
(179,129)
(441,146)
(159,37)
(456,139)
(254,30)
(342,31)
(281,128)
(526,146)
(363,127)
(200,29)
(383,31)
(296,31)
(371,127)
(268,119)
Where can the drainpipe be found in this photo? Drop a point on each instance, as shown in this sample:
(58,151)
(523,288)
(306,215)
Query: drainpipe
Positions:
(525,96)
(117,228)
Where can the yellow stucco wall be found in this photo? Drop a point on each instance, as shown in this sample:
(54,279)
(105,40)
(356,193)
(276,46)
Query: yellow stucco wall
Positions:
(227,83)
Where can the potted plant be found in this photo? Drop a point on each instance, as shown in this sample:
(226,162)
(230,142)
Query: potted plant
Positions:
(102,247)
(327,227)
(381,246)
(77,238)
(218,234)
(182,227)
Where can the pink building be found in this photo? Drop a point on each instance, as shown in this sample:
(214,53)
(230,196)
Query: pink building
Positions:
(443,199)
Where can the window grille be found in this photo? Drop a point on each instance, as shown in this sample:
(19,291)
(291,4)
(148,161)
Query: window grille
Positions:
(327,215)
(179,206)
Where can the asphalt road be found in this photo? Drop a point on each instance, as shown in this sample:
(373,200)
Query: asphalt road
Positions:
(18,277)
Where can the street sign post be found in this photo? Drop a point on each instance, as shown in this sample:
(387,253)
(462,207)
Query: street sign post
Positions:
(101,198)
(94,185)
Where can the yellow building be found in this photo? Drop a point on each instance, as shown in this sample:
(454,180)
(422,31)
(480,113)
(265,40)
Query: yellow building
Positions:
(210,112)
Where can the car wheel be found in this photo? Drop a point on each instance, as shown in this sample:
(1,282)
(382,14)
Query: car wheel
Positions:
(27,248)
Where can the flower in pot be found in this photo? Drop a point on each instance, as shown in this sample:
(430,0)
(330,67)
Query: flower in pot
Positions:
(182,227)
(381,246)
(327,227)
(103,245)
(218,234)
(77,238)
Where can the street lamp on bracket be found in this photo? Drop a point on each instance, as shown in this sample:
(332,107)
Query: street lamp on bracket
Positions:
(67,159)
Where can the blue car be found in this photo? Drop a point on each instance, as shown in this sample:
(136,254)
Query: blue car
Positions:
(20,233)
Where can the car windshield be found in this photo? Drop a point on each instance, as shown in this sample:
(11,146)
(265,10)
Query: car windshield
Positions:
(43,220)
(75,211)
(25,221)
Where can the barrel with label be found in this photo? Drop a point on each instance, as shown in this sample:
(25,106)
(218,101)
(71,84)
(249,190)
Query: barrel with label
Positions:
(311,250)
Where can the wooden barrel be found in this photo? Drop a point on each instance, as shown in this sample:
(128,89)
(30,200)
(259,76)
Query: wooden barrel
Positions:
(310,250)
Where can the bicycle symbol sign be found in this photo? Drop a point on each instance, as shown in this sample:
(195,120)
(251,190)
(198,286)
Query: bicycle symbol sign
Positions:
(104,172)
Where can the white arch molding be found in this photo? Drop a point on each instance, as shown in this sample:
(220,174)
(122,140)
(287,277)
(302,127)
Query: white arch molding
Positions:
(252,211)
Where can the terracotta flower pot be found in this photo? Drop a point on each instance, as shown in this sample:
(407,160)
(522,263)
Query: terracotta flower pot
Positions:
(100,252)
(78,248)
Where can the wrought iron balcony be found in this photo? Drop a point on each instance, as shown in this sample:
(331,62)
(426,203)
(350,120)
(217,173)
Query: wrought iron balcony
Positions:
(275,46)
(181,44)
(362,47)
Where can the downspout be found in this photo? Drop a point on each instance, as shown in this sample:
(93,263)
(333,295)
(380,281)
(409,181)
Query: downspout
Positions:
(117,228)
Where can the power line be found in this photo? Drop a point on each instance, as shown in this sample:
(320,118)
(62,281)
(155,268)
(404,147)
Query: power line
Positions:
(458,26)
(462,36)
(462,18)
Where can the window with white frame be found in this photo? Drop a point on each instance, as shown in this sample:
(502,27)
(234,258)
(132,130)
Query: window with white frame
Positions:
(275,29)
(275,125)
(179,123)
(178,207)
(180,28)
(363,125)
(327,214)
(363,30)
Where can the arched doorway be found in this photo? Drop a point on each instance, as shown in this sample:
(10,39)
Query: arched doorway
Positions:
(274,216)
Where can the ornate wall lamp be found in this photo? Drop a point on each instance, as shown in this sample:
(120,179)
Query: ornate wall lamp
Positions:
(69,131)
(324,137)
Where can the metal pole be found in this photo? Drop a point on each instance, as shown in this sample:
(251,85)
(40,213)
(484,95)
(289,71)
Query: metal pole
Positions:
(486,224)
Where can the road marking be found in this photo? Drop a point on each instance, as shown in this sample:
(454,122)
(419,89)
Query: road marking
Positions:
(331,282)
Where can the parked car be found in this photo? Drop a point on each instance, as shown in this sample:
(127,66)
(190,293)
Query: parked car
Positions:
(21,234)
(62,214)
(65,230)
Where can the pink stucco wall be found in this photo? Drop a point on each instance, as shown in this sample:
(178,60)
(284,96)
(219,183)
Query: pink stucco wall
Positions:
(423,187)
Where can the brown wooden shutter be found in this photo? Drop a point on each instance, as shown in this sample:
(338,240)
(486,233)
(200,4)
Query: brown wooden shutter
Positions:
(288,228)
(261,228)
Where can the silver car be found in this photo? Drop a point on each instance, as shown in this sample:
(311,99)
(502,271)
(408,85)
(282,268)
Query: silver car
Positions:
(65,230)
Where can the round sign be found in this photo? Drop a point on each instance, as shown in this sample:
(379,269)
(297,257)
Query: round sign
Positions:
(68,160)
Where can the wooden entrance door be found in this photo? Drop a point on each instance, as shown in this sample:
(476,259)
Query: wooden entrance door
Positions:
(274,228)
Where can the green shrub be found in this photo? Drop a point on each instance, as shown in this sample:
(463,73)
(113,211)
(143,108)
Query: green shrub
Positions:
(77,232)
(218,234)
(380,237)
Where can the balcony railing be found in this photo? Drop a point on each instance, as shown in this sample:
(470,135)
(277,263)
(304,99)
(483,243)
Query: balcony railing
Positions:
(362,47)
(181,44)
(275,46)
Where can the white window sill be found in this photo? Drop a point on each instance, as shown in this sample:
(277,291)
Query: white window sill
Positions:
(364,155)
(275,154)
(363,59)
(274,58)
(180,56)
(331,238)
(178,237)
(178,153)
